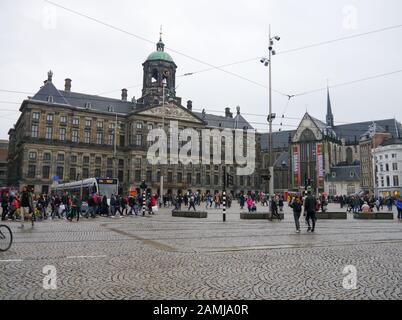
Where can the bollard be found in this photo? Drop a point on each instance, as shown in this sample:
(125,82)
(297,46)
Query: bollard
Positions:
(224,205)
(143,203)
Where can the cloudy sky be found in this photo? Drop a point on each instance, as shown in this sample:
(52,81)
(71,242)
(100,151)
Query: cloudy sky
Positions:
(37,36)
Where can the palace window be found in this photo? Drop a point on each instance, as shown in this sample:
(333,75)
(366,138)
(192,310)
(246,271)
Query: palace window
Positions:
(111,139)
(85,160)
(31,171)
(49,118)
(76,121)
(62,134)
(139,125)
(170,177)
(45,172)
(35,116)
(47,156)
(73,159)
(73,173)
(74,135)
(97,173)
(98,160)
(60,172)
(110,162)
(149,176)
(99,138)
(60,157)
(179,177)
(32,155)
(63,119)
(395,166)
(87,123)
(189,179)
(99,125)
(48,133)
(138,140)
(137,175)
(208,179)
(85,173)
(87,136)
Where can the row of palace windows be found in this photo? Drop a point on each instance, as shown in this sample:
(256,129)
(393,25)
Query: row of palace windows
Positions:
(74,121)
(47,156)
(74,135)
(46,172)
(88,122)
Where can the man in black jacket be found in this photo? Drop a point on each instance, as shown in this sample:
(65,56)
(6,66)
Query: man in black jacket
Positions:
(309,209)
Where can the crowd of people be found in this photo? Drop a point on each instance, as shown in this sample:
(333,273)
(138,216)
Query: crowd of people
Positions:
(69,206)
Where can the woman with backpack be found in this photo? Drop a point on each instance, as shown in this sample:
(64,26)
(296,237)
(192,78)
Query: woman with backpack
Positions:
(297,206)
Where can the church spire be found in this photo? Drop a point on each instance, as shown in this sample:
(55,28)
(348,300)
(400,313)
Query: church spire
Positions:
(330,116)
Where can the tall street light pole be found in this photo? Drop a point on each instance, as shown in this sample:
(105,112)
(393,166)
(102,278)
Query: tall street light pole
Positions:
(271,116)
(163,128)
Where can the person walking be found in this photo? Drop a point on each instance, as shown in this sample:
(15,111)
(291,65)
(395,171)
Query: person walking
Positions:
(192,202)
(4,206)
(112,205)
(310,204)
(249,202)
(274,208)
(242,201)
(104,206)
(280,204)
(76,204)
(297,207)
(25,204)
(152,204)
(398,204)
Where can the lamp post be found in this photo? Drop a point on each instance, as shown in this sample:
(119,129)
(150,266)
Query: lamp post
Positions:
(271,116)
(163,128)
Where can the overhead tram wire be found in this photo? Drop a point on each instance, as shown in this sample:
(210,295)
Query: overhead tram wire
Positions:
(349,83)
(150,41)
(289,51)
(295,49)
(190,73)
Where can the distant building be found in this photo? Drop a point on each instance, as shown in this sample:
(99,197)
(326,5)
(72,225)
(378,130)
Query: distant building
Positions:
(3,162)
(343,180)
(388,168)
(316,147)
(369,141)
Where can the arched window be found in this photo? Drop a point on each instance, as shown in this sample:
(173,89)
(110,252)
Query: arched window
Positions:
(154,75)
(307,135)
(349,155)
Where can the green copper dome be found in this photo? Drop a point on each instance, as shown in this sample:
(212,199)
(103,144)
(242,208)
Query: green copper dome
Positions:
(160,55)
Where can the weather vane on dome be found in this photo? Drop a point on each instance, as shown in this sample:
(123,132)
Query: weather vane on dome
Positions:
(160,34)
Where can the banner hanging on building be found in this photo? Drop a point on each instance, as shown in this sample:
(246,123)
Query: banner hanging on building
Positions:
(296,166)
(320,163)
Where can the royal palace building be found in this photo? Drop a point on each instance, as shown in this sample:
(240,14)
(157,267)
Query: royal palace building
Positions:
(63,136)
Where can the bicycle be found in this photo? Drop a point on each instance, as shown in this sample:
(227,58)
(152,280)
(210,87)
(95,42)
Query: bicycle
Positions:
(6,237)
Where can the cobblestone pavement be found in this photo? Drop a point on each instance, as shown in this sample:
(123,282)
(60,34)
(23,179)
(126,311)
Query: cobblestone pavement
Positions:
(161,257)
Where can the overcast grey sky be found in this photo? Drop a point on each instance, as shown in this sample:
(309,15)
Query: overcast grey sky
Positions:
(36,36)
